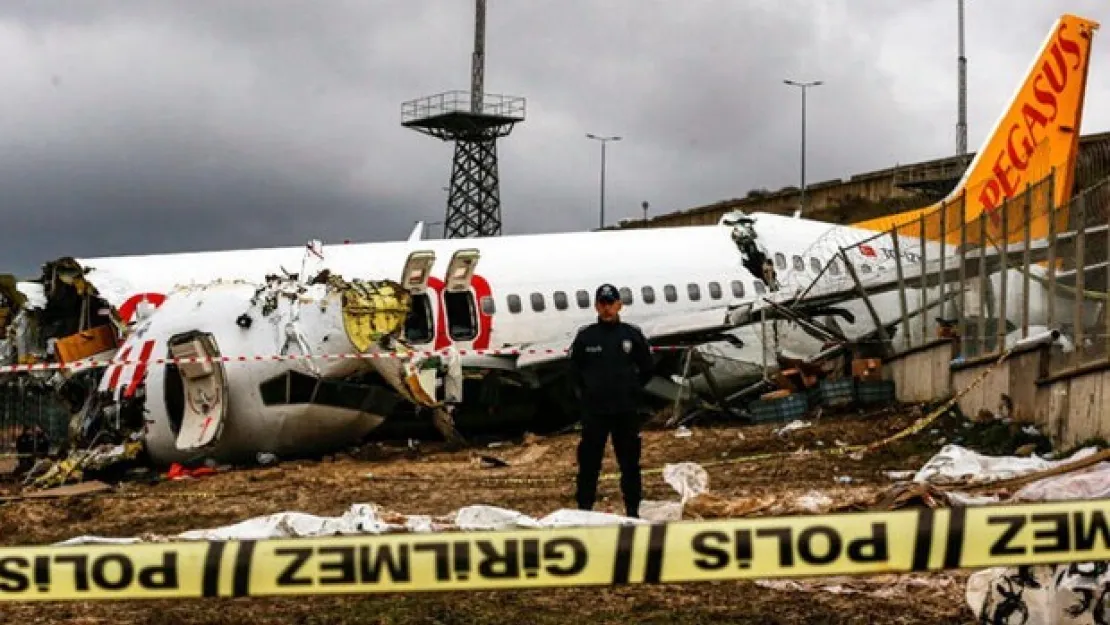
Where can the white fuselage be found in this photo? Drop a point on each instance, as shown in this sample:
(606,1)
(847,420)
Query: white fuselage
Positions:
(526,290)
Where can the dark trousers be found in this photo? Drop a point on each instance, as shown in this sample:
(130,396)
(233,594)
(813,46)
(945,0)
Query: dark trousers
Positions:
(625,430)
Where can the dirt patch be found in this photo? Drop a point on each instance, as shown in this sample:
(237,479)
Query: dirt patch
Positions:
(431,481)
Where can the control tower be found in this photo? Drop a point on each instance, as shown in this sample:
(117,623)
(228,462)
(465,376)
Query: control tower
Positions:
(474,121)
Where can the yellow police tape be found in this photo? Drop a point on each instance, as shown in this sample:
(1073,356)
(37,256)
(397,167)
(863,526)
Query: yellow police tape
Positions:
(687,551)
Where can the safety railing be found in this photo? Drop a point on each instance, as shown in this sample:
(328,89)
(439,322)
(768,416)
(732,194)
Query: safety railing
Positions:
(26,405)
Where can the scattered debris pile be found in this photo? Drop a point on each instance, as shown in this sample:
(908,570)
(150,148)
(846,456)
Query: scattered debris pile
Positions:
(58,318)
(840,377)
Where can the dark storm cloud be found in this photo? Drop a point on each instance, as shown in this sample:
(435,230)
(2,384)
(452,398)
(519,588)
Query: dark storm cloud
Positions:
(138,127)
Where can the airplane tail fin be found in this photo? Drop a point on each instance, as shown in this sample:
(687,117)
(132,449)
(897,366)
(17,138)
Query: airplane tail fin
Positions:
(1036,136)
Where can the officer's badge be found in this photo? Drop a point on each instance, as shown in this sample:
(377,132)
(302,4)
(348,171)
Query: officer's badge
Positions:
(627,345)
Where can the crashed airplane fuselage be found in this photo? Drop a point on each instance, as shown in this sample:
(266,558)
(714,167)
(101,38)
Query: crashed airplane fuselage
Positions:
(208,401)
(521,297)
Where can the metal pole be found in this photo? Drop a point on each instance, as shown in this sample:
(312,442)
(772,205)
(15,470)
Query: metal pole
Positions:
(802,198)
(1004,273)
(961,107)
(602,225)
(943,281)
(902,306)
(1105,312)
(603,141)
(924,286)
(1051,203)
(1080,220)
(962,328)
(981,327)
(803,86)
(478,60)
(1026,259)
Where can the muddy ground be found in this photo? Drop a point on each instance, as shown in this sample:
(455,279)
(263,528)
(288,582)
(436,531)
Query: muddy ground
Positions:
(429,480)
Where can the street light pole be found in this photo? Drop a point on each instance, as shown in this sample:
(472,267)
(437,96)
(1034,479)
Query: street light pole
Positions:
(803,86)
(603,141)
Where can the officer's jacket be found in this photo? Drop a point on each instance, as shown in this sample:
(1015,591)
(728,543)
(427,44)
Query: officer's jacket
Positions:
(610,364)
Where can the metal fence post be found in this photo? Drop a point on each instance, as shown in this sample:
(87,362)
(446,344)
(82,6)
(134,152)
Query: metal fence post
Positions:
(903,308)
(924,284)
(1004,278)
(1026,260)
(1080,221)
(962,317)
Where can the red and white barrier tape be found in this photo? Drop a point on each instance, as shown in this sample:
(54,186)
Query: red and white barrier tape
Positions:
(96,364)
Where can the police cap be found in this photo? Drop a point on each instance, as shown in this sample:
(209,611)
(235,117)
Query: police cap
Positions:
(607,293)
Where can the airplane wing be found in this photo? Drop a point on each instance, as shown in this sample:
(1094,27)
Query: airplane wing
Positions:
(668,330)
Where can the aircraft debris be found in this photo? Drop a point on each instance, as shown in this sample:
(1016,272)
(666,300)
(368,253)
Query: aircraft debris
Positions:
(286,314)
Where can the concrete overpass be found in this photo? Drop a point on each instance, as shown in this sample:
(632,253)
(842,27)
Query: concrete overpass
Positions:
(872,194)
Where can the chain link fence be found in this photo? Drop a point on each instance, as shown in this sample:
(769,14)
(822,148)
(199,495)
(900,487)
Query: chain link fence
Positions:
(990,274)
(26,405)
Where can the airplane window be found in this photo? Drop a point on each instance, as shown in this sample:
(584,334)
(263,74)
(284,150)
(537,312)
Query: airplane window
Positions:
(737,288)
(834,267)
(537,302)
(560,300)
(715,290)
(648,295)
(780,260)
(487,305)
(514,303)
(693,292)
(760,288)
(799,263)
(670,293)
(583,298)
(815,265)
(626,295)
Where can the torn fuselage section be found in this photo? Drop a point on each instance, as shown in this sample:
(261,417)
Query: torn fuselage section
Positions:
(58,317)
(755,257)
(291,367)
(55,319)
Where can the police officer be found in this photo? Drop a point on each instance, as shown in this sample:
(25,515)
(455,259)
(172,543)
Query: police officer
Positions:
(610,363)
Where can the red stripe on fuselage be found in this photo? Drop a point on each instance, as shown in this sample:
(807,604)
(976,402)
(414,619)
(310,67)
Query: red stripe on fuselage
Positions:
(140,370)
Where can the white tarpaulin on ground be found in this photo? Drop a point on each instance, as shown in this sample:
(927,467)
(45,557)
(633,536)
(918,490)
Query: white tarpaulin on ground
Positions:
(1048,595)
(954,464)
(687,478)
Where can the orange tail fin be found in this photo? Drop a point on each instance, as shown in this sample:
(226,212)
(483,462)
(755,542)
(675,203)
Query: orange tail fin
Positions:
(1036,136)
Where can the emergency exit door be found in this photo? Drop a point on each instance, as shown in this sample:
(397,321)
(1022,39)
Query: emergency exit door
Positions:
(461,310)
(420,323)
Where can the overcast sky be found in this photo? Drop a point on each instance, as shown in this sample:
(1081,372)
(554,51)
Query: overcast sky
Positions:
(147,126)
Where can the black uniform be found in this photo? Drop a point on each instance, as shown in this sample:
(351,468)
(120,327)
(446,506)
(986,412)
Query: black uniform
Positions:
(610,362)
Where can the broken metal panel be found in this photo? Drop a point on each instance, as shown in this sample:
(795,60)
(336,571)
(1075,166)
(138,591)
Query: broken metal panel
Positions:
(101,340)
(372,311)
